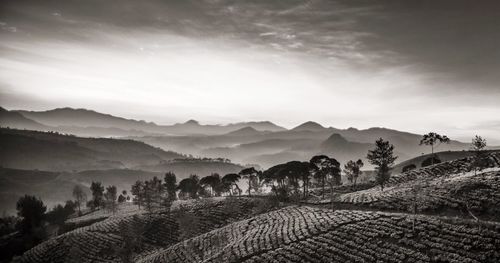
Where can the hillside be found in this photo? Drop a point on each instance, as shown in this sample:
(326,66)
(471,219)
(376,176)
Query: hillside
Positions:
(185,167)
(17,120)
(160,230)
(449,188)
(304,234)
(31,150)
(16,183)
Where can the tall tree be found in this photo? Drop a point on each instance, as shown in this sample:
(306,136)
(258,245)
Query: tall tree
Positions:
(353,170)
(32,210)
(80,197)
(138,193)
(434,140)
(170,186)
(97,194)
(251,175)
(326,168)
(230,183)
(110,197)
(189,186)
(213,181)
(383,158)
(480,158)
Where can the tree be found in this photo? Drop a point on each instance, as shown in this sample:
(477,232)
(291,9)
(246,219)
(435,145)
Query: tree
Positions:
(138,193)
(59,214)
(153,190)
(189,187)
(214,182)
(171,185)
(326,168)
(434,140)
(110,197)
(291,172)
(97,194)
(353,170)
(383,158)
(251,175)
(32,211)
(230,182)
(480,158)
(121,198)
(80,197)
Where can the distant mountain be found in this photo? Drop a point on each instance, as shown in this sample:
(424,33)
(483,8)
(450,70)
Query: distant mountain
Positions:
(91,123)
(309,126)
(55,152)
(17,120)
(247,131)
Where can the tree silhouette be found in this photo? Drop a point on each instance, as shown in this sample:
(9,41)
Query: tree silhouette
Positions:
(214,182)
(434,140)
(80,197)
(110,197)
(190,186)
(383,158)
(480,158)
(170,185)
(251,175)
(32,211)
(353,170)
(229,182)
(138,193)
(97,194)
(325,168)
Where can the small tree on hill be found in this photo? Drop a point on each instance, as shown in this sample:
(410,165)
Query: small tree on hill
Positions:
(383,158)
(170,186)
(97,194)
(434,140)
(138,193)
(353,170)
(110,197)
(480,158)
(189,187)
(80,197)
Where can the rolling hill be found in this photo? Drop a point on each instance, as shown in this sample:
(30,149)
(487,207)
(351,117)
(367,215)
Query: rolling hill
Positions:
(56,152)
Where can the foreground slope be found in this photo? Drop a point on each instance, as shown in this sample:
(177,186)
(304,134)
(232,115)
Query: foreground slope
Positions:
(305,234)
(99,241)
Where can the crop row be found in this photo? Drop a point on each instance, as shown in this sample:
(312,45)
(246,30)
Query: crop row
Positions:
(99,241)
(302,234)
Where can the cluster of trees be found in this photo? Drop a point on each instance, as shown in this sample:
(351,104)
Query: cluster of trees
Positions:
(106,198)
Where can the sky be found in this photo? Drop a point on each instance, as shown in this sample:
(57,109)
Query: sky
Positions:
(413,65)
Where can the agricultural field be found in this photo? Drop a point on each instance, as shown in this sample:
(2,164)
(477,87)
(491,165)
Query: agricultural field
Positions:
(449,187)
(100,241)
(305,234)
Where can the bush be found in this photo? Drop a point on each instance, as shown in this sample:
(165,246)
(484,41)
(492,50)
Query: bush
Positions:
(409,167)
(428,161)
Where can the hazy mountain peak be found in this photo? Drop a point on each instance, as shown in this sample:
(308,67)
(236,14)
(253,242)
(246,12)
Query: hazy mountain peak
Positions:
(192,122)
(309,126)
(245,131)
(336,139)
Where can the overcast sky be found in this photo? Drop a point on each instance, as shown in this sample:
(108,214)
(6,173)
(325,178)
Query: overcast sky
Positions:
(411,65)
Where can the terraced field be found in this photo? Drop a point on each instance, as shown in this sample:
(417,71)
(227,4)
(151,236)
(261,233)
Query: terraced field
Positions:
(305,234)
(98,241)
(445,187)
